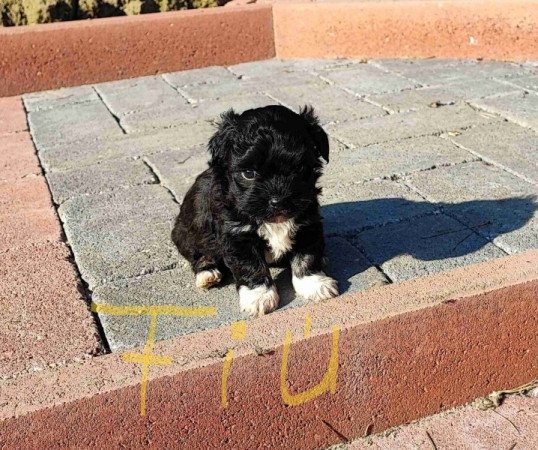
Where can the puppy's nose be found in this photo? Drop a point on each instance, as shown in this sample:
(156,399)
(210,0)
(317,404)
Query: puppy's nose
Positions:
(274,201)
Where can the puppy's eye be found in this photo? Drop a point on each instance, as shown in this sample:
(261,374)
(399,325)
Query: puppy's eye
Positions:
(249,175)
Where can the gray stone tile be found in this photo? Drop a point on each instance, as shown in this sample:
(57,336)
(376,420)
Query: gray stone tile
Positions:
(394,158)
(59,97)
(350,268)
(497,204)
(528,81)
(521,108)
(433,73)
(330,103)
(73,122)
(177,170)
(506,144)
(209,110)
(125,96)
(446,94)
(366,79)
(99,178)
(401,126)
(176,287)
(354,207)
(262,68)
(88,152)
(206,75)
(121,234)
(401,65)
(247,86)
(424,246)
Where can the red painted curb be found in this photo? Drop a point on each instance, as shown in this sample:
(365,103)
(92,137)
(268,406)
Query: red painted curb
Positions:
(72,53)
(404,351)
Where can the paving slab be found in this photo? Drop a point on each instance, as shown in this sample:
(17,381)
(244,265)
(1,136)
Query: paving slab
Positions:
(39,283)
(88,152)
(176,287)
(12,115)
(99,178)
(354,207)
(497,204)
(509,426)
(412,124)
(330,103)
(206,75)
(447,94)
(59,97)
(424,246)
(508,145)
(37,225)
(177,169)
(521,108)
(125,96)
(393,159)
(73,122)
(247,86)
(121,234)
(209,110)
(528,82)
(439,72)
(18,158)
(366,79)
(24,195)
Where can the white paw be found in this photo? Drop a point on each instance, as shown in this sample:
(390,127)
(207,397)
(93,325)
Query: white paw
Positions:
(259,300)
(315,287)
(208,278)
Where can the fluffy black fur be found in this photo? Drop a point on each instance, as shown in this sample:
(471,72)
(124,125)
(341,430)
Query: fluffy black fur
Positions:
(218,222)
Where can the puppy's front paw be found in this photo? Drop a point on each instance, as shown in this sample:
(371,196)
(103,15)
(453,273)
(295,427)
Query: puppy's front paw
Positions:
(315,287)
(259,300)
(207,278)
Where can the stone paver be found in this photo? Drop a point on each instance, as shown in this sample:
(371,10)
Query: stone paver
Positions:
(505,144)
(412,124)
(12,117)
(432,166)
(59,97)
(446,94)
(99,178)
(17,157)
(73,122)
(209,110)
(497,204)
(123,97)
(121,234)
(425,245)
(521,108)
(394,158)
(330,103)
(366,79)
(510,426)
(354,207)
(86,153)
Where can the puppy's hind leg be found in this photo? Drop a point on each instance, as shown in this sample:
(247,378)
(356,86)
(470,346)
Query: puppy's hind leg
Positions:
(208,272)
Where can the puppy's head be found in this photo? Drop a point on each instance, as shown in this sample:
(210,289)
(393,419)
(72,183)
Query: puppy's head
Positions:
(269,159)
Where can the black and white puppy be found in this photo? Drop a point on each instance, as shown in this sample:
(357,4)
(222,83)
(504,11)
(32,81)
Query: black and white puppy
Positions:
(256,204)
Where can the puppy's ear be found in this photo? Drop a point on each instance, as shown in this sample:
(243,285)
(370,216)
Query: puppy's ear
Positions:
(319,136)
(220,144)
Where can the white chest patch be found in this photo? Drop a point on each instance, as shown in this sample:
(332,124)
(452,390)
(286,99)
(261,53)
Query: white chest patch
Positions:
(279,236)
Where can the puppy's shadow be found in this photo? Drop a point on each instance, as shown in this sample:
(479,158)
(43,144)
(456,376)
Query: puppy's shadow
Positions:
(369,233)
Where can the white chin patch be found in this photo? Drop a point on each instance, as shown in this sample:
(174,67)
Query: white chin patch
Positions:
(315,287)
(259,300)
(208,278)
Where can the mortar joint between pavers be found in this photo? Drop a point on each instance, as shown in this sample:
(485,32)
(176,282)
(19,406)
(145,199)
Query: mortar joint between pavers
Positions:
(116,118)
